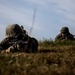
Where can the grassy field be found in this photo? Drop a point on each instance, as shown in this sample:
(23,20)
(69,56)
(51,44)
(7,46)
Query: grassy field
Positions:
(53,58)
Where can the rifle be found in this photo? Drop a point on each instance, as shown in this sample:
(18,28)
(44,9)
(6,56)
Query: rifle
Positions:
(18,45)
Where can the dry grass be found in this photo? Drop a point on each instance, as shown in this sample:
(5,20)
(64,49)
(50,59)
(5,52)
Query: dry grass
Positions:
(53,59)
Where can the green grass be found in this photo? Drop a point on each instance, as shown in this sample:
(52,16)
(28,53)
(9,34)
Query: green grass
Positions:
(53,58)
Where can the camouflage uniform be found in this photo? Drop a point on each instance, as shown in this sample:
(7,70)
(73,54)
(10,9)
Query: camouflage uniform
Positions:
(19,42)
(64,34)
(32,45)
(13,34)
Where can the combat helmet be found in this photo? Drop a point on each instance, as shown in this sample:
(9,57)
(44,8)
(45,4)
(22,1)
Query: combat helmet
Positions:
(64,30)
(12,30)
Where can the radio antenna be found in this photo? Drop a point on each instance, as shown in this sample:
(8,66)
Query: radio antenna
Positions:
(33,21)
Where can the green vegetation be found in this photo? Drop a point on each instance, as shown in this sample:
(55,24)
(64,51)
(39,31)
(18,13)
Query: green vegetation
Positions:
(53,58)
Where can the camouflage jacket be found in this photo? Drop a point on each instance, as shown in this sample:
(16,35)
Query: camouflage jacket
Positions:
(5,43)
(11,41)
(64,37)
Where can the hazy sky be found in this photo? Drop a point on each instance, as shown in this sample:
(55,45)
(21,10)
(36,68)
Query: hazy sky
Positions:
(51,16)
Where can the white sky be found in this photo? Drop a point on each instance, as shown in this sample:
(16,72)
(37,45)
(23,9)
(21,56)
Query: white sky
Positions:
(51,16)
